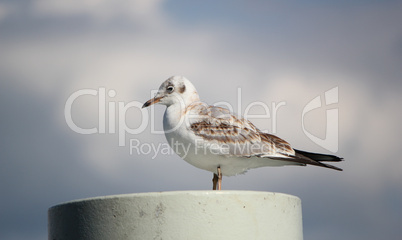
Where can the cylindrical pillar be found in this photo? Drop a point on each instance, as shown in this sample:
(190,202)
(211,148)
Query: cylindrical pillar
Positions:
(179,215)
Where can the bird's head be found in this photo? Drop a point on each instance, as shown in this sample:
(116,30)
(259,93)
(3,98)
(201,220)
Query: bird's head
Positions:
(175,90)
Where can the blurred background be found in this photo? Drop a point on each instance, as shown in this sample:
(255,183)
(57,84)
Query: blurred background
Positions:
(274,51)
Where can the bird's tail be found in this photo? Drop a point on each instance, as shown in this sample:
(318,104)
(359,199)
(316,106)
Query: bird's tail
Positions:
(318,158)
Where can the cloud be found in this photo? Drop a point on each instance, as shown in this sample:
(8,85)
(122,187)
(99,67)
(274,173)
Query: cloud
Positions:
(102,10)
(4,11)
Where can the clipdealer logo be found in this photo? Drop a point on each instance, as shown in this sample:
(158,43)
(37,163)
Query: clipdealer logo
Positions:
(109,110)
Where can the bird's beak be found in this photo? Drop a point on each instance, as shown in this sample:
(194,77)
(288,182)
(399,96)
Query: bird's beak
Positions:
(152,101)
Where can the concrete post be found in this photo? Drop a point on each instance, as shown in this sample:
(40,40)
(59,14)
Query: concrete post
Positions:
(179,215)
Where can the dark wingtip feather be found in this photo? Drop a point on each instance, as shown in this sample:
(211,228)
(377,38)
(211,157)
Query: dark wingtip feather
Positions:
(330,166)
(318,158)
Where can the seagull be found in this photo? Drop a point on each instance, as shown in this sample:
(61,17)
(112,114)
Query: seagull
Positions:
(213,139)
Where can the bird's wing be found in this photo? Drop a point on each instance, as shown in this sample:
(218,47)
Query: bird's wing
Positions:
(225,134)
(235,136)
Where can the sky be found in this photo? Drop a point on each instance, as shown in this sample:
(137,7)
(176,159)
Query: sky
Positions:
(80,60)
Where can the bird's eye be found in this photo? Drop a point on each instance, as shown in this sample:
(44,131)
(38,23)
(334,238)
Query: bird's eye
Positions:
(170,89)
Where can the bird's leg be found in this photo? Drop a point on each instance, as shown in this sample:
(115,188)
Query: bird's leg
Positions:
(214,181)
(219,178)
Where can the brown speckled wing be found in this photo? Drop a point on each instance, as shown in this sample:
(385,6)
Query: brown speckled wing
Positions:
(217,125)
